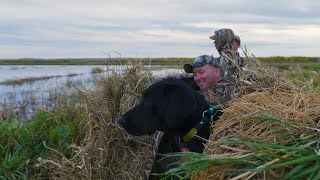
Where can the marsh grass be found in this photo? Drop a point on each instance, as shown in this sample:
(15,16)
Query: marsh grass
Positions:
(25,106)
(33,128)
(22,143)
(295,160)
(309,74)
(22,102)
(97,70)
(71,139)
(32,79)
(270,131)
(25,80)
(106,151)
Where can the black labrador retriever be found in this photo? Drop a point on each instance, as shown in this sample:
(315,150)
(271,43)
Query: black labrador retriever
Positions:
(171,106)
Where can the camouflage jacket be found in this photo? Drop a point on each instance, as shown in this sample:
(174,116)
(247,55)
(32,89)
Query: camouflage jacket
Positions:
(222,92)
(239,60)
(230,60)
(230,63)
(223,39)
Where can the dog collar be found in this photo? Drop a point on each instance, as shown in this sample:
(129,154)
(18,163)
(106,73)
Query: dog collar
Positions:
(206,116)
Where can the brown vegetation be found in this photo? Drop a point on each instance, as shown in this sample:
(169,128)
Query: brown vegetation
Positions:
(270,109)
(107,152)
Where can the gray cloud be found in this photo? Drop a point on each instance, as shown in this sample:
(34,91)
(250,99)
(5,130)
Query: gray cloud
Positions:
(176,28)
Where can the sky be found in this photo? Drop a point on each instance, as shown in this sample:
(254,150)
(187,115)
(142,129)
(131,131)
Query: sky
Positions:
(155,28)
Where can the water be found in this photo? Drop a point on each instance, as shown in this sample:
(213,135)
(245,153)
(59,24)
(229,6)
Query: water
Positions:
(64,78)
(80,74)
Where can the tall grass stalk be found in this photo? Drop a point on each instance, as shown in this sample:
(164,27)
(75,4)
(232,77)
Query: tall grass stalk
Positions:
(299,158)
(22,143)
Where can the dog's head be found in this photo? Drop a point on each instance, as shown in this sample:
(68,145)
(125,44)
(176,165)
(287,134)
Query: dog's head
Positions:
(168,105)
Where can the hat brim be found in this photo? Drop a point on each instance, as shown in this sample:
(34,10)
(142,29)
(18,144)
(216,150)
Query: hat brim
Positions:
(188,68)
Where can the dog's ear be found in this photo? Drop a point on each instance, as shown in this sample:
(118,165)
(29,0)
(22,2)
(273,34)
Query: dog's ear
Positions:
(180,105)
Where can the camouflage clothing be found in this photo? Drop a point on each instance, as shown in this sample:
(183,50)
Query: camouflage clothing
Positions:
(225,87)
(237,39)
(223,39)
(222,88)
(230,61)
(201,61)
(239,60)
(221,93)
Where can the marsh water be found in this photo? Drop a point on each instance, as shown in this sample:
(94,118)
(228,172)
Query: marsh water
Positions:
(46,80)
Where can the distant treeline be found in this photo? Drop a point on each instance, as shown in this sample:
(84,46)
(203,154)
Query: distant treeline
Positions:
(289,59)
(153,61)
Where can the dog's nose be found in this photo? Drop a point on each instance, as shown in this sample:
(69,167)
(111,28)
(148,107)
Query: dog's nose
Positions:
(121,120)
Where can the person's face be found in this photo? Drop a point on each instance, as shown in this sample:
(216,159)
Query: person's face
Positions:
(235,46)
(206,76)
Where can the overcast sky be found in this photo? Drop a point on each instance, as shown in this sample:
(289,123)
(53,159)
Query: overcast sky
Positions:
(155,28)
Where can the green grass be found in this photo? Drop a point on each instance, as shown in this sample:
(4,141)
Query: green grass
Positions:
(21,143)
(312,68)
(306,73)
(299,158)
(291,59)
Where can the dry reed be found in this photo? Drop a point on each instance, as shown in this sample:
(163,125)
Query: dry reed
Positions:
(269,109)
(106,151)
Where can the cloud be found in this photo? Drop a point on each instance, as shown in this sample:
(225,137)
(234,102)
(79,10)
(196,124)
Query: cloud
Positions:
(176,28)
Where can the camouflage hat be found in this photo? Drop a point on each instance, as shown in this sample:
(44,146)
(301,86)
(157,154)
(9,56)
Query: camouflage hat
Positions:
(201,61)
(223,37)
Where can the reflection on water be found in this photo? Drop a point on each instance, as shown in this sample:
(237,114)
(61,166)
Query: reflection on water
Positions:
(25,98)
